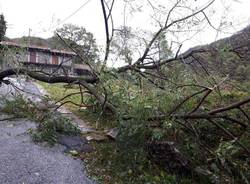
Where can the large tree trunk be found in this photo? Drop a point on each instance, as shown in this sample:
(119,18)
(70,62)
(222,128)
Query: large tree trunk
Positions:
(47,78)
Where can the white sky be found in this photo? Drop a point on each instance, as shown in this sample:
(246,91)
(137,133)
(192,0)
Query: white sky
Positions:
(42,17)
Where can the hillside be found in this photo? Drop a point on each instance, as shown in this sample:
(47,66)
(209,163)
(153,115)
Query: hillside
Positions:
(228,56)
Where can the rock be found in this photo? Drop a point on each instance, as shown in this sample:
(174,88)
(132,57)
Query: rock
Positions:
(73,152)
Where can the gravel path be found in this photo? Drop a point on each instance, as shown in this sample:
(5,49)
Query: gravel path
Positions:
(23,162)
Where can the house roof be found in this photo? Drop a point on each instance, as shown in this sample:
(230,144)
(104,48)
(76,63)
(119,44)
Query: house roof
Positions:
(35,47)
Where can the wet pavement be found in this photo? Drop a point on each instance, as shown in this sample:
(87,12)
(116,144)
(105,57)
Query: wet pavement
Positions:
(24,162)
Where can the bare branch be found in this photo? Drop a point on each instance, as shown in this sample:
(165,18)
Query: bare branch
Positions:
(230,134)
(230,107)
(186,99)
(108,39)
(74,50)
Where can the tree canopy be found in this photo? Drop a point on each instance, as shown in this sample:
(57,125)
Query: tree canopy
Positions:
(3,27)
(77,38)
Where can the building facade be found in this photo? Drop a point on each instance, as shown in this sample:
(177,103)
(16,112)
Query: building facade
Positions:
(42,59)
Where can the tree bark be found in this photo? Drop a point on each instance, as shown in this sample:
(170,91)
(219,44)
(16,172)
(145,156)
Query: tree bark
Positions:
(47,78)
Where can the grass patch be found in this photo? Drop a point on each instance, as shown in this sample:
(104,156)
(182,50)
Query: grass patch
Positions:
(58,91)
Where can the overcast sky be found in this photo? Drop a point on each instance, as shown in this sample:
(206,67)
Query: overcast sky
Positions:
(44,16)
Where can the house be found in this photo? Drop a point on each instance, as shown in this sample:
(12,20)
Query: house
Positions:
(42,59)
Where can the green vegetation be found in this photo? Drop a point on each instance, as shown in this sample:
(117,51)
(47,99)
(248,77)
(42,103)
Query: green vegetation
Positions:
(182,117)
(2,27)
(90,114)
(58,91)
(20,108)
(50,127)
(205,144)
(111,161)
(155,144)
(50,124)
(79,39)
(212,154)
(109,164)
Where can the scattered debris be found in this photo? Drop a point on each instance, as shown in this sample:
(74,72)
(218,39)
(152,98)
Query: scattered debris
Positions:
(96,136)
(112,133)
(74,143)
(102,135)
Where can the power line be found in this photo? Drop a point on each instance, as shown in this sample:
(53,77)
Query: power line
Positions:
(77,10)
(65,19)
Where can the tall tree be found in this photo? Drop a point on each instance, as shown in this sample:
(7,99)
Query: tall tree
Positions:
(77,38)
(3,27)
(123,44)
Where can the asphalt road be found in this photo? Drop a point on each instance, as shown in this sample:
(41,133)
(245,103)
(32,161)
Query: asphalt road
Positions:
(24,162)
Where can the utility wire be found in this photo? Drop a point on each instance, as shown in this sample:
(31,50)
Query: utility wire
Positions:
(65,19)
(77,10)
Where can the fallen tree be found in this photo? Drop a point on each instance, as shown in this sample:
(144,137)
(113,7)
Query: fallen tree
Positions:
(178,95)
